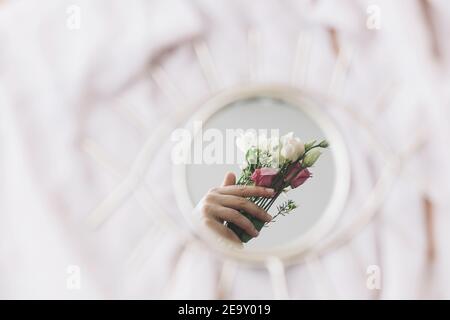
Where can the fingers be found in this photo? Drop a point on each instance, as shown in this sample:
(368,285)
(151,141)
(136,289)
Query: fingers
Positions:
(239,203)
(246,191)
(219,213)
(222,230)
(231,215)
(229,180)
(224,203)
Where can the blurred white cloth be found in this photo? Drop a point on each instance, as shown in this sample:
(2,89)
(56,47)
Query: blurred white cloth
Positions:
(64,88)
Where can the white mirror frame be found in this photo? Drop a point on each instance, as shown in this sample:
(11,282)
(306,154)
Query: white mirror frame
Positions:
(295,250)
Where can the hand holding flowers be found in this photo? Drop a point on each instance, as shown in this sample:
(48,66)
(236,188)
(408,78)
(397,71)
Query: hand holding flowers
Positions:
(224,204)
(281,164)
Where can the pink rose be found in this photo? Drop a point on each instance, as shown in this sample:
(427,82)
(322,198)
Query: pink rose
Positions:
(300,176)
(264,177)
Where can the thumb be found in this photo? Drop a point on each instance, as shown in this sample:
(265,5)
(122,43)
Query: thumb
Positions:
(229,180)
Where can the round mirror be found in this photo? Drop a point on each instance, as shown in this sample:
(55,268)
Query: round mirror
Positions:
(210,151)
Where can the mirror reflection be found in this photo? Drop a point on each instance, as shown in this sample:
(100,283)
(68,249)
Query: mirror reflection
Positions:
(266,173)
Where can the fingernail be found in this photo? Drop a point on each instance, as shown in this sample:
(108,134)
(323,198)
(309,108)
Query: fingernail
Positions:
(268,217)
(255,233)
(270,190)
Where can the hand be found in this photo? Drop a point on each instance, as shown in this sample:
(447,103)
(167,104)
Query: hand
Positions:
(222,205)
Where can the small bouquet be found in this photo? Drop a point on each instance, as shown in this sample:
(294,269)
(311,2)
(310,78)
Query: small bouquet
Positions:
(278,163)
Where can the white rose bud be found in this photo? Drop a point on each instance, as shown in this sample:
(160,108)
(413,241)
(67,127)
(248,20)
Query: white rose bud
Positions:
(292,147)
(311,158)
(324,144)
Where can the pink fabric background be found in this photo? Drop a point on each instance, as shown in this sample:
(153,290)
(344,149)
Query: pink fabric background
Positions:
(61,89)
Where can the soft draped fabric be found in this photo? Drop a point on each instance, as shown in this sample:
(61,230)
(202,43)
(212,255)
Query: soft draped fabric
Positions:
(66,93)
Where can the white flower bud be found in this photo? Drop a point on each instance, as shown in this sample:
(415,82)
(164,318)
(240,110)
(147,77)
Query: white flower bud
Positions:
(311,158)
(292,147)
(324,144)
